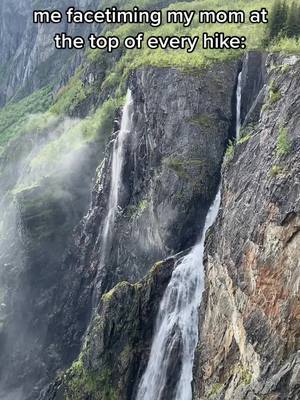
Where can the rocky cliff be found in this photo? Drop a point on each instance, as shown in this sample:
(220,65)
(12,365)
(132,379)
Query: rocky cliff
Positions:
(29,60)
(171,170)
(170,176)
(248,344)
(249,324)
(80,276)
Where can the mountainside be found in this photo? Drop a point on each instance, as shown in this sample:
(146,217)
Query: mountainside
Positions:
(176,143)
(149,214)
(249,324)
(29,61)
(248,342)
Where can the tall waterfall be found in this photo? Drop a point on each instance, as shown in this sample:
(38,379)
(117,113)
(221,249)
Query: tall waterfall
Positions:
(178,320)
(238,106)
(115,180)
(116,171)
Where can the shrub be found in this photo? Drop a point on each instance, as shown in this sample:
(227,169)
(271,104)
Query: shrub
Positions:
(274,93)
(230,151)
(276,170)
(283,144)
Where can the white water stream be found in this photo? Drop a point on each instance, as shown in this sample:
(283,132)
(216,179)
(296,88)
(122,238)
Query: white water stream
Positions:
(115,186)
(178,320)
(116,173)
(238,107)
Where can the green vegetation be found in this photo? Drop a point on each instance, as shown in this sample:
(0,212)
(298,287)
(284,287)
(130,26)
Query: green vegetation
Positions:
(83,382)
(283,33)
(215,390)
(16,118)
(205,120)
(274,94)
(117,66)
(276,170)
(183,168)
(135,211)
(246,376)
(71,95)
(284,20)
(283,144)
(230,152)
(76,134)
(245,138)
(143,205)
(121,285)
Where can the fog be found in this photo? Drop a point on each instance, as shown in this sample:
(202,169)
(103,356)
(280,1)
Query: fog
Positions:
(55,162)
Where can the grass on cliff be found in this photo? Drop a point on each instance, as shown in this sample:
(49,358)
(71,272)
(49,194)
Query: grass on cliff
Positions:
(81,383)
(117,66)
(283,146)
(14,118)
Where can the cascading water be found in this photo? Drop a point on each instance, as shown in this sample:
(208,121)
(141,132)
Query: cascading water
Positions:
(178,320)
(238,106)
(116,179)
(116,171)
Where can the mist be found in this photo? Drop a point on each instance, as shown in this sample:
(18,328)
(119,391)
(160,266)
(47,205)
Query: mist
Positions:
(45,180)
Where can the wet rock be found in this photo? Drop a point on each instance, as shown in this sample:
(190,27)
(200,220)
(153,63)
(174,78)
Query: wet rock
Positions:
(249,342)
(118,342)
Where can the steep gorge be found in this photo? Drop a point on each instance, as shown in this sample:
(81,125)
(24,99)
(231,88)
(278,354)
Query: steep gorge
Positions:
(235,356)
(249,324)
(169,153)
(81,284)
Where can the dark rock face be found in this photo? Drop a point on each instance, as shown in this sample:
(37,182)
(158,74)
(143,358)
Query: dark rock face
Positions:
(118,342)
(172,164)
(173,152)
(173,155)
(37,224)
(253,80)
(249,344)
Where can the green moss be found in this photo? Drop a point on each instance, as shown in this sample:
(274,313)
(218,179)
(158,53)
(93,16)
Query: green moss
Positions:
(229,154)
(109,295)
(283,146)
(16,118)
(135,211)
(205,120)
(143,205)
(246,377)
(215,390)
(182,168)
(274,93)
(156,266)
(276,170)
(82,382)
(274,96)
(244,138)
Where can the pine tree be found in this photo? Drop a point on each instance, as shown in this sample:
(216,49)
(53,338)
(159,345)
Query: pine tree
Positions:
(284,16)
(293,21)
(277,20)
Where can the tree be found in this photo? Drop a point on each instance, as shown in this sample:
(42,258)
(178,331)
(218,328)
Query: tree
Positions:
(278,17)
(293,21)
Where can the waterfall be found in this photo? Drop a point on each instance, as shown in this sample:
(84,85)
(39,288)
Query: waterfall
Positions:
(176,331)
(116,171)
(115,180)
(178,321)
(238,106)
